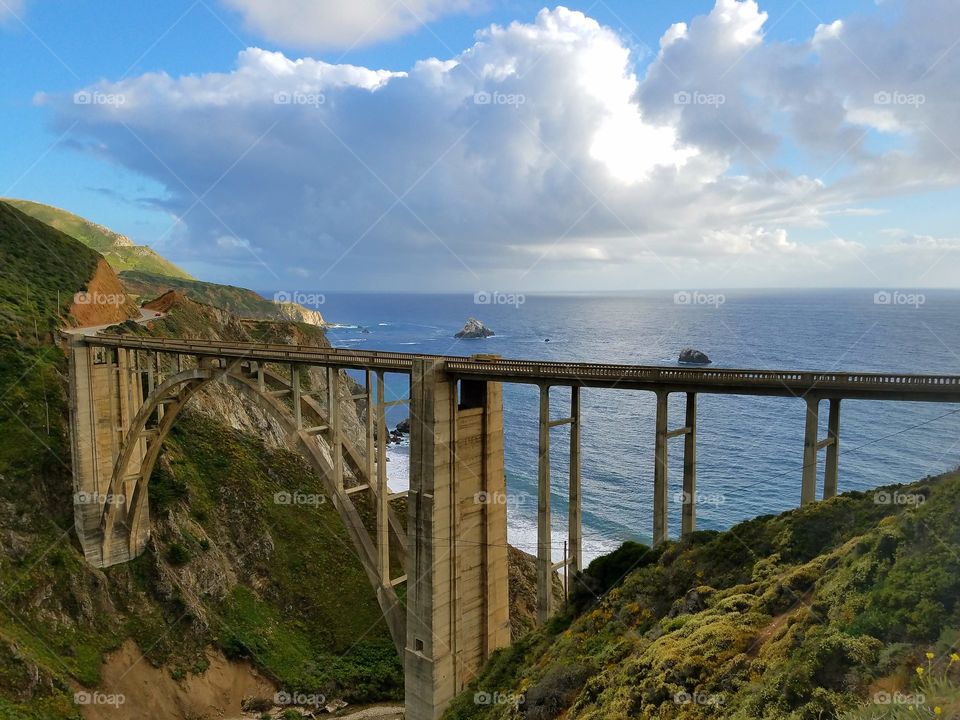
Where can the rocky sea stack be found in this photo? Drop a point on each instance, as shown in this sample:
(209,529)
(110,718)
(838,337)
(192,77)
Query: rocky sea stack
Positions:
(690,356)
(474,329)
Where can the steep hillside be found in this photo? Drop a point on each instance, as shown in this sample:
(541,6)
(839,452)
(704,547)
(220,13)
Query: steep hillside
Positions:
(119,250)
(41,273)
(848,607)
(239,301)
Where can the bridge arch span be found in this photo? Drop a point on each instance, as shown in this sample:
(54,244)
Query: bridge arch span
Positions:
(112,508)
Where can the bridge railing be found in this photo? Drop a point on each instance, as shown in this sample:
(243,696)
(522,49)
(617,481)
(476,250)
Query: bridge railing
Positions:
(278,352)
(536,371)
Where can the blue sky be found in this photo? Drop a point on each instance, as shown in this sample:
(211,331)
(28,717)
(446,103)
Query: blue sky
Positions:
(126,170)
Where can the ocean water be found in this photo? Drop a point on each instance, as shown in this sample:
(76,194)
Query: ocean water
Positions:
(749,448)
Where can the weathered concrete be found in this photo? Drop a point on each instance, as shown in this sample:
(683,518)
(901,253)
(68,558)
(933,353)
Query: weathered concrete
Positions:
(575,516)
(688,518)
(105,394)
(457,596)
(808,486)
(660,471)
(544,523)
(832,471)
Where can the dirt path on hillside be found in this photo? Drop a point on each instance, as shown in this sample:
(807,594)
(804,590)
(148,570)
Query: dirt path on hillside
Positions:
(377,712)
(387,712)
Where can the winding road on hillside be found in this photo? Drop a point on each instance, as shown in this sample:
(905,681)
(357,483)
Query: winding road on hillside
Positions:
(145,316)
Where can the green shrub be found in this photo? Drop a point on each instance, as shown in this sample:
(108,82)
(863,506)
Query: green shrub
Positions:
(178,554)
(553,694)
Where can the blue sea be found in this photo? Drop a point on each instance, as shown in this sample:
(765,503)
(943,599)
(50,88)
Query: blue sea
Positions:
(749,448)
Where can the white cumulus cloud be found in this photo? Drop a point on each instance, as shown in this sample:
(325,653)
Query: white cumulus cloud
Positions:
(340,23)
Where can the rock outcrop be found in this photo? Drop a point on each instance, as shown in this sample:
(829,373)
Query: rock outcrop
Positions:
(690,356)
(298,313)
(474,329)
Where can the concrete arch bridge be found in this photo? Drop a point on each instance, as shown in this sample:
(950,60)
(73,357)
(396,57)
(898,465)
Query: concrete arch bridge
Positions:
(126,394)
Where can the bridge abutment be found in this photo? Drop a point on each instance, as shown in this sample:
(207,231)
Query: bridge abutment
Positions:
(106,391)
(457,594)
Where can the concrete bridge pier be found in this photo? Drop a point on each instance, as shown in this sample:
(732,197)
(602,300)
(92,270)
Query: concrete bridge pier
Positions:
(812,446)
(832,472)
(457,589)
(689,512)
(573,562)
(661,467)
(106,392)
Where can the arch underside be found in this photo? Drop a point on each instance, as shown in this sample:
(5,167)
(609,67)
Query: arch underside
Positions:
(128,522)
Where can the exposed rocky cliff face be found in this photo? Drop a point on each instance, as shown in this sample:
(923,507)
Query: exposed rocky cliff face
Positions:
(104,300)
(299,313)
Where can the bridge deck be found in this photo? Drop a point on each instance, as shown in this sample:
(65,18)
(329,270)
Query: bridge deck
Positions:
(784,383)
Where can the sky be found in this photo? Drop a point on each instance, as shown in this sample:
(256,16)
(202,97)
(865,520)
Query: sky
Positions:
(500,145)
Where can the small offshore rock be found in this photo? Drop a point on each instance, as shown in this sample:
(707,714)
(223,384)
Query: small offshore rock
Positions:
(474,329)
(691,356)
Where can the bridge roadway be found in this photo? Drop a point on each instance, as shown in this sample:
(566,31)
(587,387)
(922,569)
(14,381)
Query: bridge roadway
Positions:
(782,383)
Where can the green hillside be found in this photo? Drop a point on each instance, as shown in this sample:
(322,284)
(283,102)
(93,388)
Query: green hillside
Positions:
(40,270)
(239,301)
(847,608)
(119,250)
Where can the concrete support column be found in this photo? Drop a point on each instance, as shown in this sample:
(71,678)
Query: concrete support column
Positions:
(333,416)
(128,374)
(371,448)
(808,489)
(295,395)
(151,368)
(383,491)
(116,404)
(832,470)
(103,400)
(261,380)
(689,511)
(544,530)
(660,471)
(575,518)
(159,372)
(457,588)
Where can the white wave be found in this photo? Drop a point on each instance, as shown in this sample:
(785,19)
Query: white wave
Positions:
(522,534)
(398,467)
